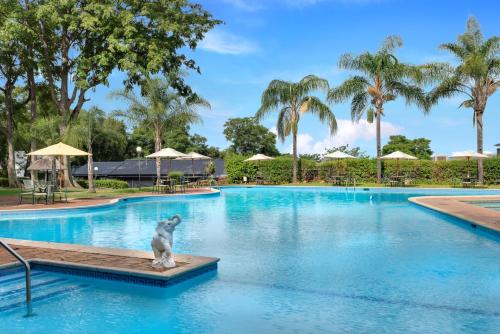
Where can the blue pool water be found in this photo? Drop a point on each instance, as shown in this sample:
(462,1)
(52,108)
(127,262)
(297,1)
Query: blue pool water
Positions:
(293,260)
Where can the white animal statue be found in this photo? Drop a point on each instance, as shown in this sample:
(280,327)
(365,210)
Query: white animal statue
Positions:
(162,243)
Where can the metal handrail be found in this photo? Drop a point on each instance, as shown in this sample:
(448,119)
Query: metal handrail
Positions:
(27,268)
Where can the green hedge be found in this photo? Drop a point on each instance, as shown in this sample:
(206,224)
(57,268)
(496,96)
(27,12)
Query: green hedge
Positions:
(279,170)
(105,183)
(4,182)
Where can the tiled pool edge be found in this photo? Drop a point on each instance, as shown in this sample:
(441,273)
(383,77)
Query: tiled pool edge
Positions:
(190,266)
(456,206)
(113,201)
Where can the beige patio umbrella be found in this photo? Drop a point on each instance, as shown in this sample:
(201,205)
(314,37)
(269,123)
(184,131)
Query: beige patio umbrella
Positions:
(468,155)
(194,156)
(169,154)
(398,155)
(59,149)
(259,157)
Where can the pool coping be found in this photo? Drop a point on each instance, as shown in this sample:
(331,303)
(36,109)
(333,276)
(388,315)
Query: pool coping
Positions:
(115,200)
(187,265)
(460,207)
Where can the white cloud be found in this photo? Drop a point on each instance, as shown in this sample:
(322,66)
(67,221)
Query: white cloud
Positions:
(274,130)
(227,43)
(348,133)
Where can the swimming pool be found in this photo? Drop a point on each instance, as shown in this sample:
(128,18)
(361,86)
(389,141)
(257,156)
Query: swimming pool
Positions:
(314,260)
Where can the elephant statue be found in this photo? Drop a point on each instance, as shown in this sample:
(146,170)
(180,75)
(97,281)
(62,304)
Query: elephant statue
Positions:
(162,243)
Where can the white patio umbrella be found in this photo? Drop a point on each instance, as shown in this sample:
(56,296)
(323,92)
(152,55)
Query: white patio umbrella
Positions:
(259,157)
(339,155)
(398,155)
(194,156)
(167,153)
(468,155)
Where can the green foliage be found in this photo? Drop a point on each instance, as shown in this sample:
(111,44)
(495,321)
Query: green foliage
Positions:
(237,168)
(248,137)
(105,183)
(176,175)
(210,168)
(276,171)
(419,147)
(362,169)
(4,182)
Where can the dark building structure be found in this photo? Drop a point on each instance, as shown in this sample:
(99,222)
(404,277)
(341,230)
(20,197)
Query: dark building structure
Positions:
(129,170)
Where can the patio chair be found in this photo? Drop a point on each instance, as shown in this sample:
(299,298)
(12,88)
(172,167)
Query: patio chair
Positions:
(27,189)
(59,191)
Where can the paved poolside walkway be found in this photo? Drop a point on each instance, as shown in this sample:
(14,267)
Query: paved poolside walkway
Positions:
(11,202)
(459,207)
(108,260)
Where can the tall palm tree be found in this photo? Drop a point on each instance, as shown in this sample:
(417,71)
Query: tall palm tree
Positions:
(159,107)
(477,76)
(382,79)
(291,100)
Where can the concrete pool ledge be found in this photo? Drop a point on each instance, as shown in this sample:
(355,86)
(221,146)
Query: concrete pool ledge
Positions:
(109,263)
(461,207)
(95,202)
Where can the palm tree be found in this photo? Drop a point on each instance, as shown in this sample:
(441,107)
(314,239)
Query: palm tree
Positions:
(382,79)
(477,76)
(291,100)
(159,107)
(83,134)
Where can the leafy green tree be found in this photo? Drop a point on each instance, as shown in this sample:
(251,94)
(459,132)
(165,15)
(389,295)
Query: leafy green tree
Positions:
(248,137)
(291,100)
(382,79)
(160,108)
(10,71)
(476,76)
(82,42)
(419,147)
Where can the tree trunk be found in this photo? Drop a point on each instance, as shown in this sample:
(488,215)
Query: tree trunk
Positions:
(479,129)
(295,162)
(11,164)
(32,94)
(379,145)
(158,160)
(90,171)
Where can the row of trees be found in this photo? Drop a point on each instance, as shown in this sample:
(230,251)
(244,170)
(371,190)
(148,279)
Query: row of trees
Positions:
(63,49)
(381,78)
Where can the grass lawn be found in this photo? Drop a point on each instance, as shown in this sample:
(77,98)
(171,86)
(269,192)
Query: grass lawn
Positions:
(82,193)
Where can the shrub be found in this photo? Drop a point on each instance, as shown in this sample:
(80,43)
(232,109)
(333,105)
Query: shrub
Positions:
(279,170)
(237,168)
(4,182)
(176,175)
(364,169)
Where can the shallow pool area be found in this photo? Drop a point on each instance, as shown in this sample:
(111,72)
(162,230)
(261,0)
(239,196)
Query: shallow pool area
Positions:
(293,259)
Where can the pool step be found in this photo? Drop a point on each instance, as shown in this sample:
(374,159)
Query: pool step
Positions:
(43,286)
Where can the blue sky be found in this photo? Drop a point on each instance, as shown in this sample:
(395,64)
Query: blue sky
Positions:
(288,39)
